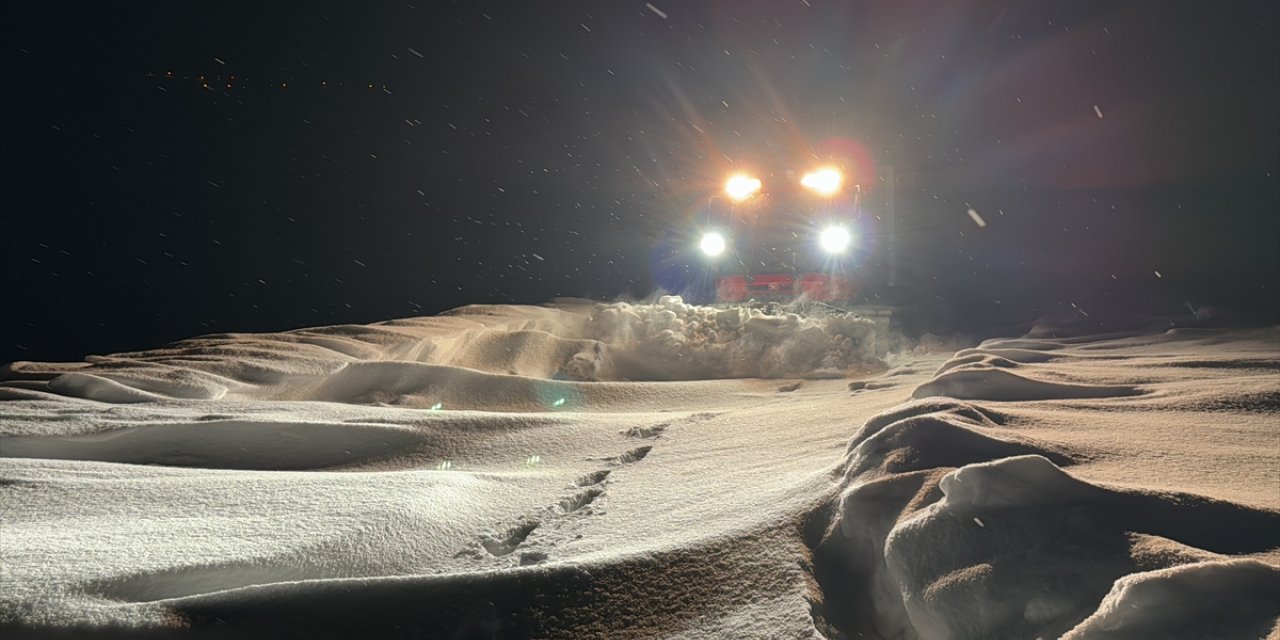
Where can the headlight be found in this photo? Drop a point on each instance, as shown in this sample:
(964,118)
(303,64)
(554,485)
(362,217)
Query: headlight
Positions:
(835,239)
(712,244)
(740,187)
(825,181)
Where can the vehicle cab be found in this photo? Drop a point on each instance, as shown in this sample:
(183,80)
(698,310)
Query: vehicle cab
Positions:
(785,234)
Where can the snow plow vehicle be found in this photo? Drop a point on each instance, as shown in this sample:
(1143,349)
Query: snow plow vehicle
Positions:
(791,237)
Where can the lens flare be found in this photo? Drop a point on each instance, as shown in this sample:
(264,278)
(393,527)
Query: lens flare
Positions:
(835,239)
(825,181)
(740,187)
(712,244)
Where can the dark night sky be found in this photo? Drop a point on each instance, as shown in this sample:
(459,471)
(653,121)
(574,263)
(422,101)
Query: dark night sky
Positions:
(348,164)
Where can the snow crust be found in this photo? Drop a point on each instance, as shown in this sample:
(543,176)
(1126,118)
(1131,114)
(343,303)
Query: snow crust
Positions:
(664,470)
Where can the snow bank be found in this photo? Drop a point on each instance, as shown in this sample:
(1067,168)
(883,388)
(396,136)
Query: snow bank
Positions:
(1201,601)
(535,472)
(985,382)
(1015,547)
(895,449)
(485,357)
(952,523)
(231,444)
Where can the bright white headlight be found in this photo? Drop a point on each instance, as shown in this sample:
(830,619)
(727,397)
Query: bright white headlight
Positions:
(835,239)
(712,244)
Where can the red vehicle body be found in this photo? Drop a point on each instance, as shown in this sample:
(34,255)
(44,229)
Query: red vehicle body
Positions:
(821,287)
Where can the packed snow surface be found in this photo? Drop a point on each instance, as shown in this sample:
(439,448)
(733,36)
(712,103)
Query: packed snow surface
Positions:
(645,470)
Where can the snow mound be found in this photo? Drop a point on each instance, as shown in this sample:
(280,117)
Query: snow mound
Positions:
(1038,549)
(983,383)
(904,462)
(102,389)
(955,409)
(230,444)
(1010,482)
(930,442)
(1021,356)
(1202,601)
(993,358)
(484,356)
(952,523)
(423,386)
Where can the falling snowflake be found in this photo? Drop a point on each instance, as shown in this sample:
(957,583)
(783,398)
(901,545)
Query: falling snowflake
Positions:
(977,219)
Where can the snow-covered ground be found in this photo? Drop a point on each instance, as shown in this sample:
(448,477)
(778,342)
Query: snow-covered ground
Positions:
(645,471)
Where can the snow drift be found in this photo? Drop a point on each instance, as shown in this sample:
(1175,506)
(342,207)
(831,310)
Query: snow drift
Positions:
(953,524)
(481,357)
(638,471)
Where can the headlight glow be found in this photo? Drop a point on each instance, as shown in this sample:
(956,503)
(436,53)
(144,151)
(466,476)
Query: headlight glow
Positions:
(741,186)
(835,239)
(712,244)
(825,181)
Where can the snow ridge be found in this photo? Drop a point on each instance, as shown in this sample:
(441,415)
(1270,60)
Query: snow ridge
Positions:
(491,357)
(952,525)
